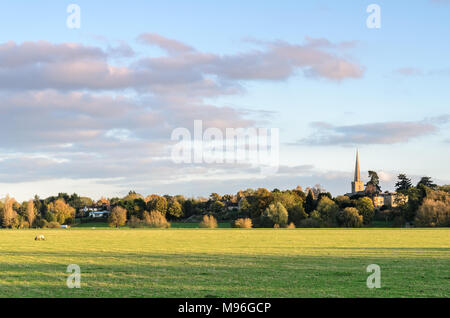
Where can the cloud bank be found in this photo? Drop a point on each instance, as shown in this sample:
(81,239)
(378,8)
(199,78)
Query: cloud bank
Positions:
(373,133)
(88,112)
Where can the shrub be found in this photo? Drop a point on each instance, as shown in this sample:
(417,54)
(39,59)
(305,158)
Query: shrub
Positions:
(117,217)
(350,217)
(243,223)
(291,225)
(53,225)
(208,222)
(274,214)
(276,226)
(155,219)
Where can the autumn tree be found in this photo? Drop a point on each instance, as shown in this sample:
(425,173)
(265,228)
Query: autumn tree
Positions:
(31,214)
(435,210)
(132,195)
(155,219)
(9,215)
(61,210)
(275,214)
(215,197)
(103,201)
(174,209)
(157,203)
(299,192)
(117,217)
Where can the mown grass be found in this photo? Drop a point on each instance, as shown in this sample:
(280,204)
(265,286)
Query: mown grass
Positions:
(225,262)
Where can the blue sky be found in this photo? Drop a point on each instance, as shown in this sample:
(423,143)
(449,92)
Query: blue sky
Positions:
(392,102)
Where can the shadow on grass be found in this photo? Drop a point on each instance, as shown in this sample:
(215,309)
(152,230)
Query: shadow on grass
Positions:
(126,274)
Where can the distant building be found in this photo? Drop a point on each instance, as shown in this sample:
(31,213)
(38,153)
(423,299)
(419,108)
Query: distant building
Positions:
(94,212)
(98,214)
(357,184)
(388,199)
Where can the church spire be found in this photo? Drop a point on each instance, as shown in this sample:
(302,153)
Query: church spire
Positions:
(357,175)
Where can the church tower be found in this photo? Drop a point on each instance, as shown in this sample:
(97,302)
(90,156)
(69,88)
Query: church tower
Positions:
(357,184)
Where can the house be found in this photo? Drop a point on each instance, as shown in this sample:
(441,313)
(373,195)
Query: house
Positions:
(98,214)
(393,199)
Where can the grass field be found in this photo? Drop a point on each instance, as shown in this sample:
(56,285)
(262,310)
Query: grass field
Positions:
(226,262)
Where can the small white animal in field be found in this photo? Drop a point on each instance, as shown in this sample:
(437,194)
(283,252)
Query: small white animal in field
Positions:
(39,238)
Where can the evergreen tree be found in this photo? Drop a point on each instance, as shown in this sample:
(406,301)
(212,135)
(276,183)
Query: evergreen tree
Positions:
(427,182)
(403,183)
(373,185)
(310,203)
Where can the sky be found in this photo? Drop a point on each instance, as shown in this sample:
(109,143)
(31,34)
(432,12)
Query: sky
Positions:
(91,110)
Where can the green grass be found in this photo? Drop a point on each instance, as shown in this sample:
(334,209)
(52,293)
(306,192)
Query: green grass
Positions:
(226,262)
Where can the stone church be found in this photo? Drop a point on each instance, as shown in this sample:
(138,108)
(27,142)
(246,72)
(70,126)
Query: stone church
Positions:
(387,199)
(357,184)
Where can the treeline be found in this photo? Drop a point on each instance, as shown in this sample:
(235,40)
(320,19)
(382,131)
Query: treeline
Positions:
(51,212)
(427,205)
